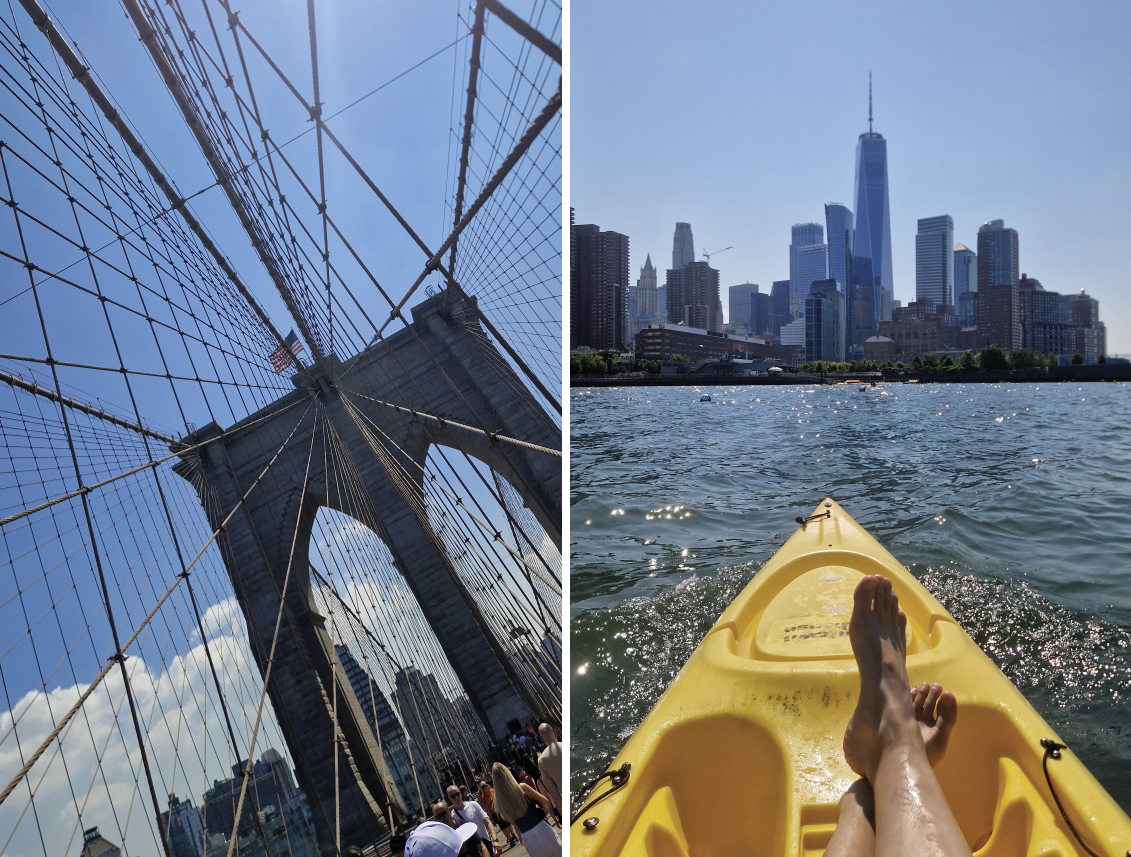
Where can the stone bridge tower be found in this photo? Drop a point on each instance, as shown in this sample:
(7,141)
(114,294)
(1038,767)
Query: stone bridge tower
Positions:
(256,542)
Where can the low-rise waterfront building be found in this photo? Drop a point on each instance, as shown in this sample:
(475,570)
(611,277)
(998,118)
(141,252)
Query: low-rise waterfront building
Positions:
(879,349)
(915,337)
(661,341)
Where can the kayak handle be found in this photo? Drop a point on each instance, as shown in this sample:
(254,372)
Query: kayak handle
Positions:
(1052,749)
(618,777)
(804,521)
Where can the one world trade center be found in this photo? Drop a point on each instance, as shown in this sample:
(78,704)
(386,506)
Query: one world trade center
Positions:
(872,253)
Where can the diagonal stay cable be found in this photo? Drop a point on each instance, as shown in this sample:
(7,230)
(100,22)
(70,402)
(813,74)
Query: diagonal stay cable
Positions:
(524,29)
(27,767)
(32,387)
(83,75)
(435,261)
(86,489)
(22,358)
(468,119)
(355,414)
(224,176)
(529,136)
(545,450)
(85,695)
(321,168)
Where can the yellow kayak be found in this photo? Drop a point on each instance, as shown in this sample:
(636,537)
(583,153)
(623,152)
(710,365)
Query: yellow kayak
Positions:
(742,754)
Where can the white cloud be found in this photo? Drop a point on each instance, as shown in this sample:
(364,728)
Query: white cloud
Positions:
(99,774)
(222,618)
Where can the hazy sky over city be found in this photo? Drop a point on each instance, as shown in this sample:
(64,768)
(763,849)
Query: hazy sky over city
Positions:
(742,119)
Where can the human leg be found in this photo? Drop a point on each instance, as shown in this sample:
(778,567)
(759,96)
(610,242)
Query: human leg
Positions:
(936,711)
(884,741)
(855,834)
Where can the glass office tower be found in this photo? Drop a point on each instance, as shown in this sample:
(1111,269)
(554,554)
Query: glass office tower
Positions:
(873,213)
(803,235)
(934,259)
(965,283)
(840,226)
(812,265)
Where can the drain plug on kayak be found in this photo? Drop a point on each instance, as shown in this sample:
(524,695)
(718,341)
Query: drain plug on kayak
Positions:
(591,822)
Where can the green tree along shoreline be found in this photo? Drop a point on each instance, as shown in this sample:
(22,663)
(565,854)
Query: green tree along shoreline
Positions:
(989,359)
(610,363)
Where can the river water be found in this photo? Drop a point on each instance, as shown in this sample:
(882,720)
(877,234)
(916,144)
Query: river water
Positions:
(1011,504)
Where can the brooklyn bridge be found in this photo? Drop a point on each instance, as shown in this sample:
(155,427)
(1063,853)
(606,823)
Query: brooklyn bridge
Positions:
(280,493)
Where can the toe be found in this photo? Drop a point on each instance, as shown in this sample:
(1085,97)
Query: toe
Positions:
(947,708)
(919,699)
(883,595)
(894,613)
(865,591)
(933,694)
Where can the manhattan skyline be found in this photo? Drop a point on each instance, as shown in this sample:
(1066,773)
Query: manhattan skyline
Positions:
(990,134)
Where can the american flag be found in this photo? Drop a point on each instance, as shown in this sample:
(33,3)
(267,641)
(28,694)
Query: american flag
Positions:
(281,357)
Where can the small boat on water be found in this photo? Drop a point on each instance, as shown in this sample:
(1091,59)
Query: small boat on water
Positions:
(756,718)
(706,397)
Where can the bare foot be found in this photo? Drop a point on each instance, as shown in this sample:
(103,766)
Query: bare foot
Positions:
(937,711)
(884,713)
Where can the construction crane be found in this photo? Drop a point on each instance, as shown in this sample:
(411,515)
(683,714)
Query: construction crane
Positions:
(709,254)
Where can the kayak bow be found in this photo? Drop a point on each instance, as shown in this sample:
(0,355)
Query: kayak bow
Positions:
(742,753)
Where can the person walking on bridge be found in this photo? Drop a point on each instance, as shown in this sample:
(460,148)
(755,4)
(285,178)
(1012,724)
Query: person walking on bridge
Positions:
(486,797)
(466,811)
(527,808)
(550,764)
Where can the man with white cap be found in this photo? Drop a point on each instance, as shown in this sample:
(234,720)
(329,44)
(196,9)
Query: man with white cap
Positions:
(437,839)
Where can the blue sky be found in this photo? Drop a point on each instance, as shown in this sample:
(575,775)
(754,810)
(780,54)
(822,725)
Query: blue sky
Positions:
(400,135)
(742,119)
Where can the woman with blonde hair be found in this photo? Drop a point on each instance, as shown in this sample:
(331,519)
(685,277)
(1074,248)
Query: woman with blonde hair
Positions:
(526,808)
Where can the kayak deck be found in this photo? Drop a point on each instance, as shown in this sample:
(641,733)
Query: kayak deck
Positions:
(742,754)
